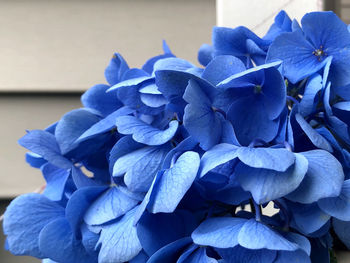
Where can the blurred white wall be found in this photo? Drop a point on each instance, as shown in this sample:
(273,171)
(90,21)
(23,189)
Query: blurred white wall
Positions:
(258,15)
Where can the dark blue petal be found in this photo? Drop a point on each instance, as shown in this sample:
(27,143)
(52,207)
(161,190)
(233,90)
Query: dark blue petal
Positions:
(24,218)
(292,256)
(78,204)
(251,123)
(116,69)
(119,241)
(170,252)
(44,144)
(240,254)
(342,229)
(317,139)
(219,154)
(96,98)
(267,185)
(145,133)
(58,243)
(278,159)
(297,56)
(108,206)
(282,24)
(56,179)
(307,103)
(158,230)
(255,235)
(174,183)
(338,207)
(317,183)
(219,232)
(198,256)
(200,120)
(308,218)
(35,160)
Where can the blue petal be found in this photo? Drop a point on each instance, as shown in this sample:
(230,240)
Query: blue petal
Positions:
(200,120)
(308,218)
(297,56)
(131,82)
(140,166)
(158,230)
(152,100)
(251,123)
(278,159)
(149,65)
(44,144)
(307,103)
(96,98)
(240,254)
(34,160)
(198,256)
(342,229)
(317,183)
(317,139)
(116,69)
(205,54)
(219,232)
(292,256)
(57,242)
(282,24)
(170,252)
(255,235)
(71,126)
(56,179)
(300,240)
(119,241)
(219,154)
(24,218)
(104,125)
(267,185)
(338,207)
(81,180)
(222,67)
(145,133)
(140,258)
(110,205)
(174,183)
(176,64)
(79,203)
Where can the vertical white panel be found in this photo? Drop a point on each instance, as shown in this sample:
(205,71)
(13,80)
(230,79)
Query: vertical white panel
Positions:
(258,15)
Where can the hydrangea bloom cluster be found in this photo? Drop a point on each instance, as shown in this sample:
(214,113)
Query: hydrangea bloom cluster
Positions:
(160,163)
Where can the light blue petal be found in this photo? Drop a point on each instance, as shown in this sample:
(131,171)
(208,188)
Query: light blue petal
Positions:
(222,67)
(198,256)
(278,159)
(219,154)
(317,182)
(174,183)
(24,218)
(300,240)
(61,245)
(176,64)
(130,82)
(96,98)
(219,232)
(145,133)
(71,126)
(110,205)
(104,125)
(338,207)
(119,241)
(255,235)
(150,88)
(44,144)
(56,179)
(140,166)
(152,100)
(266,185)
